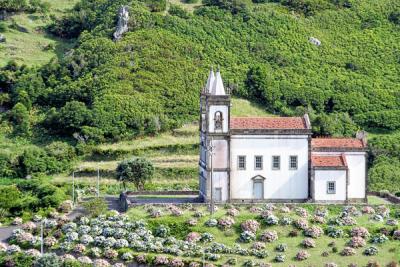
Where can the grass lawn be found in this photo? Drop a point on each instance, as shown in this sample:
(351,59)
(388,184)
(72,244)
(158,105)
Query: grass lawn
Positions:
(390,251)
(28,43)
(374,200)
(186,6)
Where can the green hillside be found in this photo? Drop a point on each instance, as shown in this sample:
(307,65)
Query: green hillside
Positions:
(103,92)
(27,42)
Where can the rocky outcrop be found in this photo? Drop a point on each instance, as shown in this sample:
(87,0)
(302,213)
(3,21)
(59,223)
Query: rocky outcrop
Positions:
(314,41)
(123,19)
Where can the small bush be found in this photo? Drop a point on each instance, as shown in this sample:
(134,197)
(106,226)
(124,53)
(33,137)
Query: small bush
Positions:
(95,206)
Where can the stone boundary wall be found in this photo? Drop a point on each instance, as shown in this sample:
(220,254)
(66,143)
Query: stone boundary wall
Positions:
(163,193)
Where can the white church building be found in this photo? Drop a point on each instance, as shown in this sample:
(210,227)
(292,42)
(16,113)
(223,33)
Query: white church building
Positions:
(275,159)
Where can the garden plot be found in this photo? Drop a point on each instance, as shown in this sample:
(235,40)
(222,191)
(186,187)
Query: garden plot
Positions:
(259,235)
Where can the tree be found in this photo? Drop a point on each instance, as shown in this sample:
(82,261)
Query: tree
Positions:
(73,115)
(136,170)
(20,117)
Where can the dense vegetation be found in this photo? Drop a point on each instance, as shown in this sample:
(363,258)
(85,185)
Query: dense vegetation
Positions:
(24,5)
(28,197)
(149,81)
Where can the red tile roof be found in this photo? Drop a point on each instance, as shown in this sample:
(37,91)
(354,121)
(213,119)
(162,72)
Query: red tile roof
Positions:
(268,123)
(337,143)
(328,161)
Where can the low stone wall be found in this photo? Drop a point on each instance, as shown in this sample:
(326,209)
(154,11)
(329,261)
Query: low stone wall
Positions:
(163,193)
(390,197)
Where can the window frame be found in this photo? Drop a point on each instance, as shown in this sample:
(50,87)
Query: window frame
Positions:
(328,190)
(279,163)
(290,162)
(255,162)
(238,162)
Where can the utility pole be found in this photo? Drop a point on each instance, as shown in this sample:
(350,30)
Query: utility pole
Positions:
(73,188)
(98,180)
(41,237)
(210,149)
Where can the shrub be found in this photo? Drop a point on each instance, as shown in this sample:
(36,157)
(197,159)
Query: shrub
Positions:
(247,236)
(286,221)
(232,212)
(360,232)
(225,223)
(162,231)
(250,225)
(281,247)
(379,239)
(308,243)
(356,242)
(348,251)
(211,222)
(206,237)
(302,255)
(269,236)
(318,219)
(334,232)
(48,260)
(302,212)
(280,258)
(301,223)
(371,251)
(313,231)
(271,220)
(368,210)
(96,206)
(396,235)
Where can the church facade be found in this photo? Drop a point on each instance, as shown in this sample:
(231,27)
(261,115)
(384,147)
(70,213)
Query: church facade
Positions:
(275,159)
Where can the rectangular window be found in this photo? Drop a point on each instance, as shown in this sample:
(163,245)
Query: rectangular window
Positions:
(241,162)
(331,187)
(293,163)
(276,162)
(258,162)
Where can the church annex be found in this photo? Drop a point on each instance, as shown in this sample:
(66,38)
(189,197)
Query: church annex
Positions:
(274,159)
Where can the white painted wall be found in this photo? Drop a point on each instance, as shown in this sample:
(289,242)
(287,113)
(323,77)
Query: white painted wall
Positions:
(356,162)
(321,179)
(357,168)
(212,110)
(278,184)
(220,158)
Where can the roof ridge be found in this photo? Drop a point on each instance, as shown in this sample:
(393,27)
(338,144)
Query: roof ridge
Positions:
(274,117)
(330,137)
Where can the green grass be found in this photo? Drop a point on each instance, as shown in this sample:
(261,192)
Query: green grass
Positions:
(374,200)
(28,43)
(389,251)
(245,108)
(187,135)
(186,6)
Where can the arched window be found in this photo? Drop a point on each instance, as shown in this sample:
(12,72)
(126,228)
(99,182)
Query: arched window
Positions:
(218,119)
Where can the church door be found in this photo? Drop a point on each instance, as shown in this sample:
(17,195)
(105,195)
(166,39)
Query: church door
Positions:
(218,194)
(258,189)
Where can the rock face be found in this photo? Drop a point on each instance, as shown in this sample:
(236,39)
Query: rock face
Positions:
(123,19)
(2,38)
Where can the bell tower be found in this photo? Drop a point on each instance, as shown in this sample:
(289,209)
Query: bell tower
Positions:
(214,162)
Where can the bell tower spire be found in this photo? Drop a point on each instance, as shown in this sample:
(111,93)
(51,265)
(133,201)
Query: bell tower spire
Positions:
(214,132)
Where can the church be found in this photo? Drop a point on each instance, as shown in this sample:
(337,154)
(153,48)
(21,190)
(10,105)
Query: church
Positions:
(273,159)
